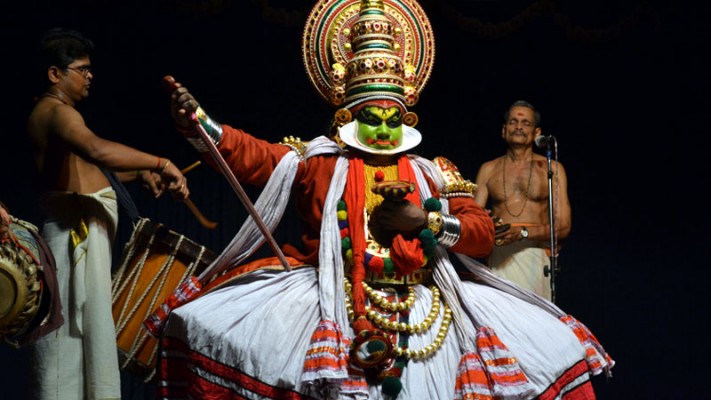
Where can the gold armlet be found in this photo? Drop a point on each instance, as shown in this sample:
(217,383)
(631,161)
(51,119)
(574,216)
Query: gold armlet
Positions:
(295,144)
(455,184)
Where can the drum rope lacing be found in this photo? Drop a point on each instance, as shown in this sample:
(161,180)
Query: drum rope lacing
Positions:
(135,346)
(132,278)
(140,340)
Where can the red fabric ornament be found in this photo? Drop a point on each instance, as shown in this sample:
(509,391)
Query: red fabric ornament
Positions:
(407,255)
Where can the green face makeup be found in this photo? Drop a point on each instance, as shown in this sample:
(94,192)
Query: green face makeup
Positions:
(380,128)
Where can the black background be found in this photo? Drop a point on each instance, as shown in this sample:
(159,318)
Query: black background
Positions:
(621,84)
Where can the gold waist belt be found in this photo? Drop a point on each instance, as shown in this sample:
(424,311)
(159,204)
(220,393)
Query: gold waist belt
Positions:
(421,276)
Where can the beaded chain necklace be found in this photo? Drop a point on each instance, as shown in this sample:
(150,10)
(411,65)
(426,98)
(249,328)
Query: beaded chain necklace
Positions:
(528,187)
(383,309)
(393,317)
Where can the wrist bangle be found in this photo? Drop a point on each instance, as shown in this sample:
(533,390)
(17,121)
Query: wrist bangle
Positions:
(212,128)
(451,231)
(163,167)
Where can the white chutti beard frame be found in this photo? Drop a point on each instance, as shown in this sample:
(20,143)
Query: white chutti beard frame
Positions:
(411,137)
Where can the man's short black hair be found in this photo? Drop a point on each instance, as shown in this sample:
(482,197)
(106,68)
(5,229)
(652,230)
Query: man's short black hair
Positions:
(60,47)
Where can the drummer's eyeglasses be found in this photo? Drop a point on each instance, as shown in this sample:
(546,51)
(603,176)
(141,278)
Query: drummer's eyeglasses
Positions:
(83,70)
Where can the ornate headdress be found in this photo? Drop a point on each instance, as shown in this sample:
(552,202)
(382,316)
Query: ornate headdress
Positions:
(357,50)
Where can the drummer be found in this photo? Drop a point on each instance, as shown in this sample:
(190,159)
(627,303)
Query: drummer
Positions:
(81,211)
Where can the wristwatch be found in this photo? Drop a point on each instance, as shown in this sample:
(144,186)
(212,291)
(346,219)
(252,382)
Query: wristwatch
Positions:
(524,233)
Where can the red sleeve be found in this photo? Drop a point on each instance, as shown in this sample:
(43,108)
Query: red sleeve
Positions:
(477,238)
(252,160)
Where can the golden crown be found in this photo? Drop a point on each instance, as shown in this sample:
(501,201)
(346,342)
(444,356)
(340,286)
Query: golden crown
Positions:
(361,49)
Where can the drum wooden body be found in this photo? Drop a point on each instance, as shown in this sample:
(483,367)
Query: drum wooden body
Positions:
(155,261)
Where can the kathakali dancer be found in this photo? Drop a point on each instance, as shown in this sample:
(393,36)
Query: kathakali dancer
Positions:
(371,305)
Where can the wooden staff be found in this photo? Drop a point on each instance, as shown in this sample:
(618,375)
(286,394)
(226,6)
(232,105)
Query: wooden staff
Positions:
(236,186)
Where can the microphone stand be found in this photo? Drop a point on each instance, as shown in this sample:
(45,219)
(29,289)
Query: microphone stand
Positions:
(552,269)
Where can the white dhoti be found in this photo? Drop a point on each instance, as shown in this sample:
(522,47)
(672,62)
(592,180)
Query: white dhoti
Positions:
(523,263)
(79,360)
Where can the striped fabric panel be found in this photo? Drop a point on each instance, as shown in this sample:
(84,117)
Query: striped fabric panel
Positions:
(472,381)
(354,386)
(503,369)
(186,374)
(187,291)
(327,353)
(326,364)
(173,365)
(573,384)
(597,358)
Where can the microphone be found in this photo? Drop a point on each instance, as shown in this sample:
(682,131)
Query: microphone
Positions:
(545,142)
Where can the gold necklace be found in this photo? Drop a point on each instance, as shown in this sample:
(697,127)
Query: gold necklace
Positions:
(415,329)
(528,187)
(383,303)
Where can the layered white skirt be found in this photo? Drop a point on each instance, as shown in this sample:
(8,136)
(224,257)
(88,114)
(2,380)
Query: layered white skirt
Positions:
(251,338)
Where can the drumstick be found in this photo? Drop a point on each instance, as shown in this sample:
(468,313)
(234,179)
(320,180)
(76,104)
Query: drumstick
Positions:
(190,167)
(200,217)
(196,212)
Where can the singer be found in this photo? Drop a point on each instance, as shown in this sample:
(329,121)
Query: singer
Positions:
(514,188)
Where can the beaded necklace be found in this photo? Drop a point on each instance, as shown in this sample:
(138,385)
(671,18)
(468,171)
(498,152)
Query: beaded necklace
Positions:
(528,187)
(382,321)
